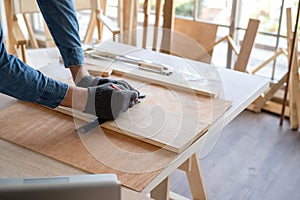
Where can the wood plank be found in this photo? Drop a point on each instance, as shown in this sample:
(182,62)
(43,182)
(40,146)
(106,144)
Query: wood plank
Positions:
(129,21)
(100,67)
(90,29)
(168,24)
(114,28)
(9,20)
(158,127)
(49,42)
(147,11)
(33,41)
(275,107)
(256,69)
(18,34)
(294,88)
(185,76)
(246,47)
(156,122)
(269,94)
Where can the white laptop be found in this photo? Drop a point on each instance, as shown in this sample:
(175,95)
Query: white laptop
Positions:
(81,187)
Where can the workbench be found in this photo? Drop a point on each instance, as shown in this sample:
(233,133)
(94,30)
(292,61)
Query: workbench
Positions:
(239,88)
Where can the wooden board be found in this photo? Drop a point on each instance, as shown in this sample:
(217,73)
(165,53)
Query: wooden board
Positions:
(52,134)
(170,117)
(185,70)
(101,68)
(173,121)
(167,118)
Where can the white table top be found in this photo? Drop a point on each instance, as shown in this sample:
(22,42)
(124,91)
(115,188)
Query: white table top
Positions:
(240,88)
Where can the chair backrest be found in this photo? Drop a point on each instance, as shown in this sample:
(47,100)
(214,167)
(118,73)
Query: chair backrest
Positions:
(202,33)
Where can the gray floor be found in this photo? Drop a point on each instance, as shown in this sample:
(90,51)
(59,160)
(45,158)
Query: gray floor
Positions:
(254,159)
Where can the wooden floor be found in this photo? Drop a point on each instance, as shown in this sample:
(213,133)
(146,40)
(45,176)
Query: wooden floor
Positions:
(254,159)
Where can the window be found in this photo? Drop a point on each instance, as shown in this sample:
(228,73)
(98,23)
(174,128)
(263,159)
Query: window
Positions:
(272,29)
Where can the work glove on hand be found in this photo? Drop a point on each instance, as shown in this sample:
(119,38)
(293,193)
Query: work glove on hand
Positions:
(108,103)
(91,81)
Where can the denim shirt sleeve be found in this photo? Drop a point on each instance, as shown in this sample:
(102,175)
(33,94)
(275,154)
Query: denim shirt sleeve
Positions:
(62,22)
(25,83)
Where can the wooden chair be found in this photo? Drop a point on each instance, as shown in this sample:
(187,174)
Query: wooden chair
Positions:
(265,101)
(275,85)
(16,9)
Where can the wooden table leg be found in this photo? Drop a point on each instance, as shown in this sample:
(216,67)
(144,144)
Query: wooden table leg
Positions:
(195,178)
(161,192)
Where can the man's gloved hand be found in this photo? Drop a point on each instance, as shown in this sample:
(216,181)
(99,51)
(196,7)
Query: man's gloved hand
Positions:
(108,103)
(91,81)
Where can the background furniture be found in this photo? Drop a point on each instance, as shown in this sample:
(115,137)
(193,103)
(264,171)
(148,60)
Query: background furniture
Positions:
(203,33)
(294,78)
(20,8)
(243,54)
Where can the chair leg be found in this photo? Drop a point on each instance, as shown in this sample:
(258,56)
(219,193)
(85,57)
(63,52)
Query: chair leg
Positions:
(23,52)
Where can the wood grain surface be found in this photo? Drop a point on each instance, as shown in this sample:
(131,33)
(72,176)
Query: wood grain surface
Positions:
(136,163)
(168,118)
(53,134)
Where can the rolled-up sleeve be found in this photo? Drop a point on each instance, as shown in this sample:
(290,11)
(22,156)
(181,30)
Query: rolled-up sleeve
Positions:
(53,93)
(25,83)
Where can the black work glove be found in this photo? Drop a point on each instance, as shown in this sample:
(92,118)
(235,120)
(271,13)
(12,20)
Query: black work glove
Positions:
(108,103)
(91,81)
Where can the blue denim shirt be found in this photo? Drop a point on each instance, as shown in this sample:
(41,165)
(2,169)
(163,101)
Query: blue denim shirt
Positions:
(23,82)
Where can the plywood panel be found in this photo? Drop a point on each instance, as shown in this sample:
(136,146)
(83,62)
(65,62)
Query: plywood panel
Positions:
(167,118)
(53,134)
(135,162)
